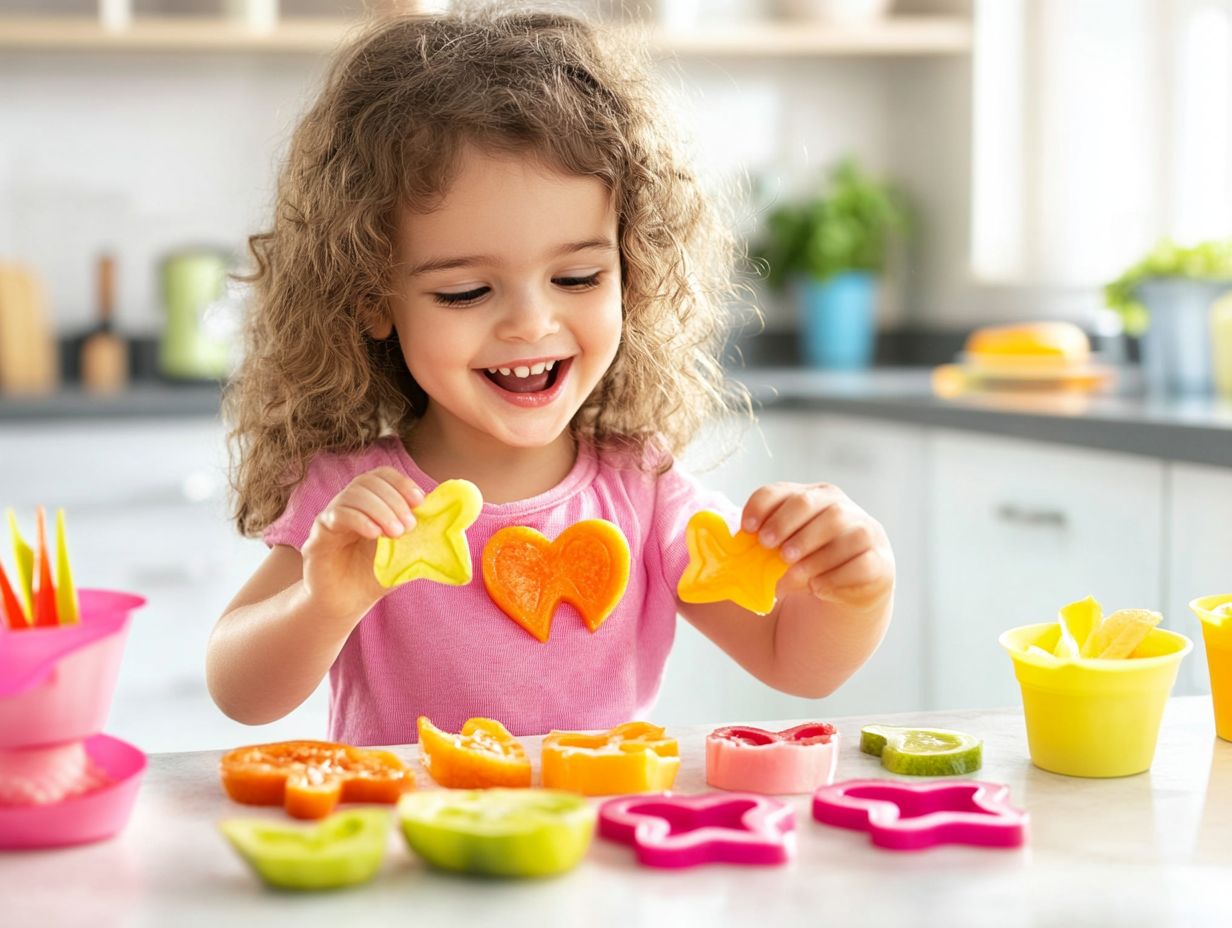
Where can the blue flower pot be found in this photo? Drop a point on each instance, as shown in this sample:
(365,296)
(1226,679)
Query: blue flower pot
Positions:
(1176,347)
(836,319)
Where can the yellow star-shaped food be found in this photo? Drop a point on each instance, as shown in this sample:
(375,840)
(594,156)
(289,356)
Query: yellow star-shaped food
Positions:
(723,566)
(436,548)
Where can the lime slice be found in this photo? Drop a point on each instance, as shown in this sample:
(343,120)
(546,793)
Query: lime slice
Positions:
(1120,633)
(922,752)
(1078,620)
(341,850)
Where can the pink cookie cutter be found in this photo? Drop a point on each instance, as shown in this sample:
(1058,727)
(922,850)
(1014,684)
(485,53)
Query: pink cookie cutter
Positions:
(682,831)
(914,816)
(795,760)
(56,683)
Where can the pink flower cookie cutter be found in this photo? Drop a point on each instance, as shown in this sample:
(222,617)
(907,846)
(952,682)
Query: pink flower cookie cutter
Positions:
(795,760)
(915,816)
(673,831)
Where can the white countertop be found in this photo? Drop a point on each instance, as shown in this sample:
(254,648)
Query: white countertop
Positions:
(1153,849)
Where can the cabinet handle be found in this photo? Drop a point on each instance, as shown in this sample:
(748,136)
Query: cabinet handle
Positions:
(1022,515)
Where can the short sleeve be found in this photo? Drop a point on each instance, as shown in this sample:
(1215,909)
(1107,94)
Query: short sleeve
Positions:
(678,496)
(326,476)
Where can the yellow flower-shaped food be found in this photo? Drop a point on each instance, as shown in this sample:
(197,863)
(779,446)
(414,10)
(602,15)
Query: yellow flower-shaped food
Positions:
(436,548)
(726,567)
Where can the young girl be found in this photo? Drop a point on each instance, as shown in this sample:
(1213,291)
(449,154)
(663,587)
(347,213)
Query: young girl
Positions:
(488,263)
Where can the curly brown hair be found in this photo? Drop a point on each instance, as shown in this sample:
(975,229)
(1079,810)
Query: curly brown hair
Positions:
(397,107)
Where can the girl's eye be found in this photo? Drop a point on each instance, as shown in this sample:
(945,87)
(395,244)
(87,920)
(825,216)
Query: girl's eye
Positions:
(463,296)
(577,283)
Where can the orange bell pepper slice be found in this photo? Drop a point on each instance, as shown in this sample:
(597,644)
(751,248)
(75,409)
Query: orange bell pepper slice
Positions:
(527,576)
(631,758)
(310,778)
(723,566)
(483,754)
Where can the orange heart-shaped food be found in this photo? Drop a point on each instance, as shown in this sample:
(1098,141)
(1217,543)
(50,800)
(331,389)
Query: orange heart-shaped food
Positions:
(528,576)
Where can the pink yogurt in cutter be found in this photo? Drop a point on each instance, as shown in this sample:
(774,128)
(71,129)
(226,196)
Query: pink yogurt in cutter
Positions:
(795,760)
(61,781)
(914,816)
(673,831)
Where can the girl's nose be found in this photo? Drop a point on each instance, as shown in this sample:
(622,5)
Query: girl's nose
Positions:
(528,318)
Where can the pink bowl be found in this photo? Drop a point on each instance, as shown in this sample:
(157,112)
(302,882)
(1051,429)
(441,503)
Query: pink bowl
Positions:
(90,817)
(56,683)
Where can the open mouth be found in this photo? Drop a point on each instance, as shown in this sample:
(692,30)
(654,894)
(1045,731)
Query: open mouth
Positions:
(538,378)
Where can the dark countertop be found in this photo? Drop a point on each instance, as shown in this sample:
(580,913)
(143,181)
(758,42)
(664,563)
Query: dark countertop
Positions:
(1194,429)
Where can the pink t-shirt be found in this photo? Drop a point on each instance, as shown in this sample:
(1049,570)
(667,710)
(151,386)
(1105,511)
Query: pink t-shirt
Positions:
(450,653)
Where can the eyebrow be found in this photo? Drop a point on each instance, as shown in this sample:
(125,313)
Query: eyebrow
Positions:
(448,264)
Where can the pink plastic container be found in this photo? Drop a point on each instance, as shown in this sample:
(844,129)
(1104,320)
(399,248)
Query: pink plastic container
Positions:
(56,684)
(91,816)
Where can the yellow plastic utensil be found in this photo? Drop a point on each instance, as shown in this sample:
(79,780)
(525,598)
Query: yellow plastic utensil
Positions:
(23,557)
(66,593)
(436,548)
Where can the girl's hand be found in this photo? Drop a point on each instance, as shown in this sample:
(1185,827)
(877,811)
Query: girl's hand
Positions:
(340,548)
(836,550)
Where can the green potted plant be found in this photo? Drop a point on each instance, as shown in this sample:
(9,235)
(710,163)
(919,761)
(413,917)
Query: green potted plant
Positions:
(828,251)
(1165,299)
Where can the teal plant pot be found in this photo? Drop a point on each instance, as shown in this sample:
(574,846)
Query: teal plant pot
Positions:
(1177,354)
(837,319)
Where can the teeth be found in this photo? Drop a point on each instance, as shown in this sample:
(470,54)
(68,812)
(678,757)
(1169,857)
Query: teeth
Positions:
(538,368)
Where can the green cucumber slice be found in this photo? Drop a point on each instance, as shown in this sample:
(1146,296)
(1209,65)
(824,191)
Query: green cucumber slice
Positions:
(922,752)
(498,832)
(342,850)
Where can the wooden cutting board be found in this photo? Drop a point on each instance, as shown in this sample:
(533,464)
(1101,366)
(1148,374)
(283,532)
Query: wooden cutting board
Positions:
(28,362)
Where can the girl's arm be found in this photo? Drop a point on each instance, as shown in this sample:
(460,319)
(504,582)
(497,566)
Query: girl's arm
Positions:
(834,603)
(278,637)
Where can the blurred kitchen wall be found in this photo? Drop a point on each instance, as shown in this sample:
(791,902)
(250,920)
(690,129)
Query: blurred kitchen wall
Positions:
(141,151)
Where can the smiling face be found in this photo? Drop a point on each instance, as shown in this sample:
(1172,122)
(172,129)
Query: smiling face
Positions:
(508,301)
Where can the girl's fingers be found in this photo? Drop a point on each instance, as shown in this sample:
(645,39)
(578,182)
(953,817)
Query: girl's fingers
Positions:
(391,496)
(368,501)
(861,581)
(407,488)
(796,511)
(343,520)
(763,502)
(832,554)
(822,529)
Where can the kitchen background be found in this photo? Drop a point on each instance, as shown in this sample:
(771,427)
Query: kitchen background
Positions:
(1042,146)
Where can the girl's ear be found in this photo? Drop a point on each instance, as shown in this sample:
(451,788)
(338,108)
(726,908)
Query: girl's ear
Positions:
(380,325)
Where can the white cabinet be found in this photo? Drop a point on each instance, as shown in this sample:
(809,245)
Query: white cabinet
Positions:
(146,507)
(1018,529)
(877,465)
(1199,554)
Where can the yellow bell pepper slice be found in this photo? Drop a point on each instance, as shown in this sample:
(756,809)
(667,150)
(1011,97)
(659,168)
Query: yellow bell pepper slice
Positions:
(631,758)
(436,548)
(723,566)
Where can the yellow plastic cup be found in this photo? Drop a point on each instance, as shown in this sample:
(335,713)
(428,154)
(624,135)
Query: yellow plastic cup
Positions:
(1217,636)
(1088,717)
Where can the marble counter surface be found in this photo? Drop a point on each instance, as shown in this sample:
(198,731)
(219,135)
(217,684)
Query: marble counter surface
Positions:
(1153,849)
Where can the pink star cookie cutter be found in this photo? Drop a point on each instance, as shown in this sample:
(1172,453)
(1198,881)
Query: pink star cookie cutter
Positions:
(667,830)
(915,816)
(795,760)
